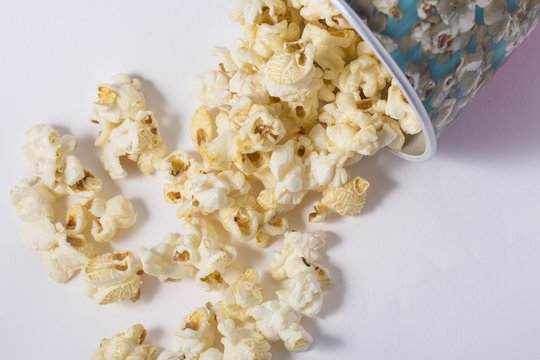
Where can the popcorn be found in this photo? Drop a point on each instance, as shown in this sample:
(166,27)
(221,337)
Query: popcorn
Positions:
(194,336)
(304,294)
(242,295)
(346,200)
(212,89)
(299,254)
(71,253)
(399,108)
(277,321)
(111,215)
(76,219)
(242,343)
(288,169)
(127,128)
(266,39)
(112,278)
(32,202)
(45,152)
(74,171)
(291,74)
(126,346)
(315,10)
(258,11)
(87,187)
(202,127)
(197,252)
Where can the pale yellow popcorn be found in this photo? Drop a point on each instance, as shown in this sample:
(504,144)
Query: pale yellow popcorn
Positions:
(212,89)
(87,187)
(291,74)
(41,235)
(346,200)
(211,354)
(217,154)
(74,171)
(246,223)
(242,295)
(327,169)
(112,278)
(399,108)
(226,64)
(242,343)
(331,46)
(248,84)
(315,10)
(202,127)
(390,8)
(179,166)
(304,293)
(260,132)
(111,215)
(45,152)
(194,336)
(165,261)
(126,346)
(118,100)
(71,253)
(173,193)
(304,113)
(278,321)
(258,11)
(76,219)
(266,39)
(32,202)
(299,253)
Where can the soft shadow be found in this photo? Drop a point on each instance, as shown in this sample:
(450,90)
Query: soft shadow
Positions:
(142,218)
(269,285)
(503,121)
(334,295)
(320,339)
(149,288)
(169,124)
(279,352)
(155,335)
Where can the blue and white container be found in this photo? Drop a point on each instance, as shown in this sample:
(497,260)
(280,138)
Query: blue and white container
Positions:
(441,52)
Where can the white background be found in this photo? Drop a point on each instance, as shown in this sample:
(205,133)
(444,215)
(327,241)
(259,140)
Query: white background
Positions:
(443,264)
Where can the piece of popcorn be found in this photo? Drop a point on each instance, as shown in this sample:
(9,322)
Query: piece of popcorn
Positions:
(390,8)
(346,200)
(113,278)
(45,152)
(316,10)
(242,343)
(87,187)
(111,215)
(202,127)
(74,171)
(76,219)
(71,253)
(32,202)
(260,132)
(126,346)
(41,235)
(299,253)
(212,89)
(304,293)
(246,223)
(194,336)
(399,108)
(289,171)
(278,321)
(365,75)
(242,295)
(266,39)
(327,169)
(291,74)
(164,260)
(258,11)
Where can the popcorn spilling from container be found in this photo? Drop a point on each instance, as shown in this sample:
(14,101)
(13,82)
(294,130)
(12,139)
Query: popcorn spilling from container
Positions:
(290,107)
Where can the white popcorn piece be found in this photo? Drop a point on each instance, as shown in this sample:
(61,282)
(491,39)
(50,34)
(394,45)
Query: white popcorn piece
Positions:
(32,202)
(304,293)
(212,89)
(315,10)
(242,343)
(194,336)
(291,74)
(399,108)
(390,8)
(74,171)
(202,127)
(126,346)
(288,169)
(164,260)
(266,39)
(87,187)
(76,219)
(278,321)
(45,152)
(260,132)
(41,235)
(346,200)
(258,11)
(299,254)
(113,278)
(242,295)
(71,253)
(111,215)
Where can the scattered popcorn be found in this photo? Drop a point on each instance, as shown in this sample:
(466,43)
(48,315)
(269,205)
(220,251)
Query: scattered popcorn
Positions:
(202,127)
(32,202)
(40,235)
(242,295)
(111,215)
(126,346)
(87,187)
(346,200)
(242,343)
(127,128)
(113,278)
(304,294)
(399,108)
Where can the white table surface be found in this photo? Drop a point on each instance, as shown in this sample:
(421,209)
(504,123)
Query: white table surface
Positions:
(443,264)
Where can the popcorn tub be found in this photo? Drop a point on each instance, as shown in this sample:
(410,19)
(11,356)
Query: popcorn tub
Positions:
(441,52)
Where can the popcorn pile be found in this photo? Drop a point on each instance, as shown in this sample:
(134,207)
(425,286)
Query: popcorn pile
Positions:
(294,102)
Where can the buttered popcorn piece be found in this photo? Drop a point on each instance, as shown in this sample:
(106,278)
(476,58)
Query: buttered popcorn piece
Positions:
(111,215)
(316,10)
(202,127)
(126,346)
(113,278)
(45,152)
(32,202)
(346,200)
(258,11)
(242,343)
(87,187)
(399,108)
(277,321)
(127,128)
(242,295)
